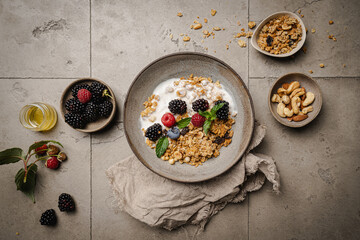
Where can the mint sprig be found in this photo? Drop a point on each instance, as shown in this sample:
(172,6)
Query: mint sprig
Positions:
(25,178)
(161,146)
(210,116)
(183,122)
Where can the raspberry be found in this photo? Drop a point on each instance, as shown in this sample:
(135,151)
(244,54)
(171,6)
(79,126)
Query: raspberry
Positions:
(200,104)
(168,120)
(177,106)
(197,120)
(52,163)
(84,95)
(48,217)
(66,203)
(75,89)
(40,151)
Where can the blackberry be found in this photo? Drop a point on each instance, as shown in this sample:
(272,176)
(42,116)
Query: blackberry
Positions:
(66,203)
(99,92)
(177,106)
(48,218)
(200,104)
(74,105)
(154,132)
(75,120)
(222,113)
(75,89)
(91,113)
(105,109)
(184,131)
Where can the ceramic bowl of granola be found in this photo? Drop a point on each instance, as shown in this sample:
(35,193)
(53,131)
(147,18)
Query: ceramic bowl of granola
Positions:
(281,34)
(295,100)
(188,117)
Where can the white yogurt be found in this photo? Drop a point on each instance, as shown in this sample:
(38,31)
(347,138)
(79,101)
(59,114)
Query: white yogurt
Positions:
(167,91)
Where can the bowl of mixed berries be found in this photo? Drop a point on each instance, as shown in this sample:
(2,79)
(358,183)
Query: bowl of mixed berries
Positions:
(88,105)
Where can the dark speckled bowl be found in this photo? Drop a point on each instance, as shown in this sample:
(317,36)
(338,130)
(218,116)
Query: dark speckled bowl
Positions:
(182,65)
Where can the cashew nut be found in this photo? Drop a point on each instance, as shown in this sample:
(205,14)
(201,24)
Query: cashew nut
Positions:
(280,109)
(292,87)
(276,98)
(285,99)
(294,104)
(307,109)
(295,92)
(281,91)
(310,97)
(288,113)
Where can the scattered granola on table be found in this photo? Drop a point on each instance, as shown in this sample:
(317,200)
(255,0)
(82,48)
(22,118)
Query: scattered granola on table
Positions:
(194,120)
(280,35)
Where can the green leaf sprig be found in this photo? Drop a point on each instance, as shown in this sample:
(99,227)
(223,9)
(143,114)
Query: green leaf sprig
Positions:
(25,178)
(161,146)
(183,122)
(210,116)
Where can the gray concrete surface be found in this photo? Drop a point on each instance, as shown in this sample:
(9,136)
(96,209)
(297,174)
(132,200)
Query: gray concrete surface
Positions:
(45,45)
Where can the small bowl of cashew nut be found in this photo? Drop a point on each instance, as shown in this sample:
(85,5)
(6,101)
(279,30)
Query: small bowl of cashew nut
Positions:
(295,100)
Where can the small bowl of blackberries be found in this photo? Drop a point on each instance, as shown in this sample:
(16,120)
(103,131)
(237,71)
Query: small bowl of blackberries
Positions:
(88,105)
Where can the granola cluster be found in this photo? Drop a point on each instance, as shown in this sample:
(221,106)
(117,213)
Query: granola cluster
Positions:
(150,105)
(195,147)
(280,35)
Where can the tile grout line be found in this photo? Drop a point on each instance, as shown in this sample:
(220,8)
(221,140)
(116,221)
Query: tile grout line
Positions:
(91,153)
(248,48)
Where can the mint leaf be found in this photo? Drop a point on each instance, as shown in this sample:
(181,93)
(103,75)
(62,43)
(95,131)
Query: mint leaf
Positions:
(183,122)
(161,146)
(29,186)
(11,155)
(207,125)
(216,108)
(39,144)
(205,114)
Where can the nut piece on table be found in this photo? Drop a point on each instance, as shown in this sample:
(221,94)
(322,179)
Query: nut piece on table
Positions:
(242,43)
(276,98)
(251,24)
(310,97)
(294,104)
(179,14)
(186,39)
(280,109)
(197,26)
(213,12)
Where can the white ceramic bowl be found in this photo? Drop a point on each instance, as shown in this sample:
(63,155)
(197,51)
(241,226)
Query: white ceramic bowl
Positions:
(266,20)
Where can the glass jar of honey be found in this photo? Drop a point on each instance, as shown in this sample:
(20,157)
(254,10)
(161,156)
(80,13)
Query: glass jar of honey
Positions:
(38,116)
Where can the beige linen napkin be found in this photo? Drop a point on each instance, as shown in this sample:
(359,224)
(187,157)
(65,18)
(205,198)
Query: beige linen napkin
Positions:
(161,202)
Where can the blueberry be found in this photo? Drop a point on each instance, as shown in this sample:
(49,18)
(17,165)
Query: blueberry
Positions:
(173,133)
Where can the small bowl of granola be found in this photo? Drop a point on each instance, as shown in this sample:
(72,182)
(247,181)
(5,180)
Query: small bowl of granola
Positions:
(281,34)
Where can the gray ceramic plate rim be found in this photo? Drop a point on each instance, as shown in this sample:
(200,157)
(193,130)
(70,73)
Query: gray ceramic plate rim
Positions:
(138,155)
(68,88)
(263,22)
(286,122)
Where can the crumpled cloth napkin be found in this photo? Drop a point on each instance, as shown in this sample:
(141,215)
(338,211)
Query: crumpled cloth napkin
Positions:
(161,202)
